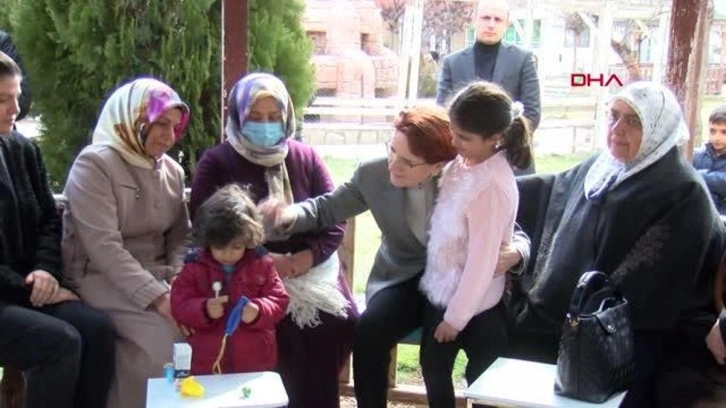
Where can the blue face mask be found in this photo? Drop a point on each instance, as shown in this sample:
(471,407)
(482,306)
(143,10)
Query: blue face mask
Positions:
(265,134)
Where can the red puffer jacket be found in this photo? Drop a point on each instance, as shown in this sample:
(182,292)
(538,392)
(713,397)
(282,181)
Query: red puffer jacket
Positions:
(252,347)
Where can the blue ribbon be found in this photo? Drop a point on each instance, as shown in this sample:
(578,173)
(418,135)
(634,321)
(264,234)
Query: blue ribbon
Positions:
(235,317)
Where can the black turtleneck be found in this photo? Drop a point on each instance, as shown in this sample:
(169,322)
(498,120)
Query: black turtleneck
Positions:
(485,56)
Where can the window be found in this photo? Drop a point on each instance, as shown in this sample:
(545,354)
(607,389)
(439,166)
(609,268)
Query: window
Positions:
(470,35)
(512,36)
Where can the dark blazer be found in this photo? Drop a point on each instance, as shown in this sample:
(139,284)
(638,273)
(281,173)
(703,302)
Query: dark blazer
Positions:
(514,70)
(30,226)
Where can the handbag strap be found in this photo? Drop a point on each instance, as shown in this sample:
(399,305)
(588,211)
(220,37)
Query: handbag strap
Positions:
(589,283)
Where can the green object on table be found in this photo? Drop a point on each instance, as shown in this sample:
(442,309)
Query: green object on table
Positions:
(246,391)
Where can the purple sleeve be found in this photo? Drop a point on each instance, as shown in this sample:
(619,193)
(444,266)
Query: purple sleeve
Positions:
(325,242)
(208,177)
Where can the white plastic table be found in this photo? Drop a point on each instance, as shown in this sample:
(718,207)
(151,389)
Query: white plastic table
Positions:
(222,391)
(518,383)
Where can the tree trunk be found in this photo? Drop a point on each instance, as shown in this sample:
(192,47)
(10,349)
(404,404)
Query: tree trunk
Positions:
(12,389)
(234,48)
(684,58)
(574,52)
(630,60)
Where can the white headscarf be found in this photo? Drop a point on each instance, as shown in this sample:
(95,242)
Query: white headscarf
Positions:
(128,110)
(663,128)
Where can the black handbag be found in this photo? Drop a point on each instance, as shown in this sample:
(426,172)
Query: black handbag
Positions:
(596,359)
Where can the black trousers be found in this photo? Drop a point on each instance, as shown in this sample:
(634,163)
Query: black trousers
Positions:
(390,315)
(483,339)
(66,352)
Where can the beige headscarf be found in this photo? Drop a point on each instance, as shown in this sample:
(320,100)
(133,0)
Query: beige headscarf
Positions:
(241,98)
(128,110)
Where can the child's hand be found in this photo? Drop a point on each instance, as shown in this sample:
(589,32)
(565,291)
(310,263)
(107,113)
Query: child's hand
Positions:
(215,306)
(250,312)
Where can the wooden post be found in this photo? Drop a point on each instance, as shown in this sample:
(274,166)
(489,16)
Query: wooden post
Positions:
(12,388)
(529,25)
(234,48)
(602,52)
(661,40)
(689,21)
(346,254)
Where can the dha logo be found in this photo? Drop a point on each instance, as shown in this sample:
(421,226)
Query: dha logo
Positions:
(580,79)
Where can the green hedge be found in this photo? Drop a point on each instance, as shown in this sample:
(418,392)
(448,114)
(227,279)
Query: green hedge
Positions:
(77,51)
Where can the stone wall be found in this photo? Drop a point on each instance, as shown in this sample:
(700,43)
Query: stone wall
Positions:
(350,59)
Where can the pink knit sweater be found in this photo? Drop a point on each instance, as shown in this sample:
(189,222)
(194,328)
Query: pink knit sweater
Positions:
(474,215)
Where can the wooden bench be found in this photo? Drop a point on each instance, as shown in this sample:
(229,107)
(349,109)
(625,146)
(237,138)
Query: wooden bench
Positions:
(518,383)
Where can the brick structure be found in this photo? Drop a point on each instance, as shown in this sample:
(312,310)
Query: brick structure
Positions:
(350,58)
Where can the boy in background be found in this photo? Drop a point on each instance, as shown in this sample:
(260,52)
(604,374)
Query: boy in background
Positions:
(710,159)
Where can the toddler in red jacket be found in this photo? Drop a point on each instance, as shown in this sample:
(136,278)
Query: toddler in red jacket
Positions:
(229,292)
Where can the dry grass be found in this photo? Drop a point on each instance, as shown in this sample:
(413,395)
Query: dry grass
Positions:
(349,402)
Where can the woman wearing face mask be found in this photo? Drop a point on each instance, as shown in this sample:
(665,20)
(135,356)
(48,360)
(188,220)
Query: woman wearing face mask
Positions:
(314,339)
(125,228)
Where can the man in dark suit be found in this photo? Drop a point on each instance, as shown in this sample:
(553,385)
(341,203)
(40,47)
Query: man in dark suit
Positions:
(510,66)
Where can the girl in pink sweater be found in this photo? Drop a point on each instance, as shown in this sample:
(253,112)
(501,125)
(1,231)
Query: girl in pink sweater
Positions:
(473,217)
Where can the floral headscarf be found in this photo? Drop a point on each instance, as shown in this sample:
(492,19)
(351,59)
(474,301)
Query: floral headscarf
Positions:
(128,110)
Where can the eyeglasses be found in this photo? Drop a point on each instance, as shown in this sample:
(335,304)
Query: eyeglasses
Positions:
(392,156)
(632,121)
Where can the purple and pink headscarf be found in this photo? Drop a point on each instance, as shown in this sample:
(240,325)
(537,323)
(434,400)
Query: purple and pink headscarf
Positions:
(128,110)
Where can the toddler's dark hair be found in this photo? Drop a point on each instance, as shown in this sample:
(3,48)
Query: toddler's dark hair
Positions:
(228,214)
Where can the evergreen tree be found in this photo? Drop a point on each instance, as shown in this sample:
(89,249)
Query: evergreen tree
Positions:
(77,51)
(278,44)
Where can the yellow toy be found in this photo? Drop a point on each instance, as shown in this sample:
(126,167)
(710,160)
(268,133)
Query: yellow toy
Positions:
(190,387)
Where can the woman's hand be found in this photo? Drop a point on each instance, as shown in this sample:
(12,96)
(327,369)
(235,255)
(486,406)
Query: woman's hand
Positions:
(162,304)
(302,262)
(283,264)
(291,266)
(509,257)
(63,295)
(714,341)
(274,211)
(44,286)
(445,333)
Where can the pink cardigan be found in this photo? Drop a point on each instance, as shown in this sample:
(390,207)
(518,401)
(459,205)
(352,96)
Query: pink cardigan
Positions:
(474,215)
